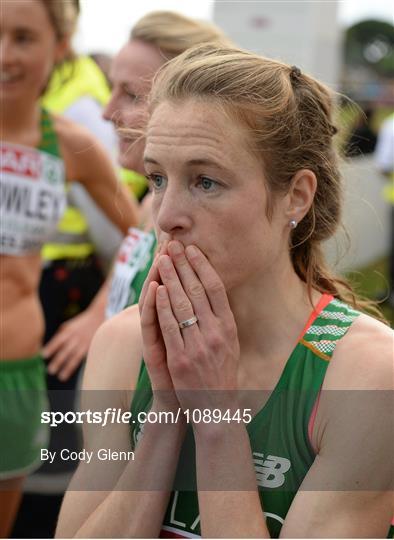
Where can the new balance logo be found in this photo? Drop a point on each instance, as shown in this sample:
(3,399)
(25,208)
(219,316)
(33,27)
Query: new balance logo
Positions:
(270,472)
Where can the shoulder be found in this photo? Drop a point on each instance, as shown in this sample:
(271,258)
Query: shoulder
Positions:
(363,358)
(115,353)
(357,393)
(80,149)
(71,135)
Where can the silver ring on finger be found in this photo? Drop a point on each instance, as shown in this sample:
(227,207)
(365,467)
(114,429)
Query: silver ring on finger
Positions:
(188,322)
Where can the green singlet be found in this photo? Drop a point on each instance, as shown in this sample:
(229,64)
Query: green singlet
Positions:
(280,433)
(49,142)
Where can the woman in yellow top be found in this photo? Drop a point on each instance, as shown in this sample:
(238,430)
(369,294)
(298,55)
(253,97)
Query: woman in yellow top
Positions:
(39,152)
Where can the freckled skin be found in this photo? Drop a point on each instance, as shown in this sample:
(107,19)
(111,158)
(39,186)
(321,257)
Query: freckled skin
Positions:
(228,224)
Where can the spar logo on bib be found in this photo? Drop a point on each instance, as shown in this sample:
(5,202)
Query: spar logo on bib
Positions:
(21,162)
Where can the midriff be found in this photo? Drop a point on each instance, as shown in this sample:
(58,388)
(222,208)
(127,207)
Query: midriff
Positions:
(21,317)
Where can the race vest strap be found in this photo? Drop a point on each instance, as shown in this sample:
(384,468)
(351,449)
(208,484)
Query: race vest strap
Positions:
(71,239)
(334,321)
(49,142)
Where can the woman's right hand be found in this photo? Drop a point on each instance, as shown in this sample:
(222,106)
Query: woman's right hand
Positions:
(154,351)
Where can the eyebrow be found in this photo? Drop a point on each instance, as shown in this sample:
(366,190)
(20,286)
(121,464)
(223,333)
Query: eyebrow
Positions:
(25,29)
(191,162)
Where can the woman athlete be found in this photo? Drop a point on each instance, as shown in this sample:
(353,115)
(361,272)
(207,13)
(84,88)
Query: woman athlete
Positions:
(154,39)
(39,153)
(239,302)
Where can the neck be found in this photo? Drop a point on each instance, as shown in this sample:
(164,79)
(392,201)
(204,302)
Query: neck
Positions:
(271,310)
(20,118)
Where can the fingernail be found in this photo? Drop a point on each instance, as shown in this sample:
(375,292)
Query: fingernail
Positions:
(176,248)
(51,370)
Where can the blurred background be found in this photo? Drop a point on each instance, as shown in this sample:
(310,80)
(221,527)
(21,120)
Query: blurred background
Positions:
(348,45)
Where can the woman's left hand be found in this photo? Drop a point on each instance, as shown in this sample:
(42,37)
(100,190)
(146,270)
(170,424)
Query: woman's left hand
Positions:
(202,358)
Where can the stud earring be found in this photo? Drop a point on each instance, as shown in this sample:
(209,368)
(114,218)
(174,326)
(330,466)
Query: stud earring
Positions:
(293,224)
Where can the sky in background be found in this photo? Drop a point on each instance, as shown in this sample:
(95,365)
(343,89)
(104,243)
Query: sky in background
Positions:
(104,25)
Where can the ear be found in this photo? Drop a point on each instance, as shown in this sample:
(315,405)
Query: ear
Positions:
(300,195)
(62,48)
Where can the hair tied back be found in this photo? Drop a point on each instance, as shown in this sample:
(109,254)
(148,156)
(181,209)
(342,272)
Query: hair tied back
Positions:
(295,73)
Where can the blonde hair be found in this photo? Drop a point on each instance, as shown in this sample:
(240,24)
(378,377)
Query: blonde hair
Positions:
(288,116)
(173,33)
(63,15)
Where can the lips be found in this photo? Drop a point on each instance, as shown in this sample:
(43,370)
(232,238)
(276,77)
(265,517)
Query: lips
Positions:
(9,78)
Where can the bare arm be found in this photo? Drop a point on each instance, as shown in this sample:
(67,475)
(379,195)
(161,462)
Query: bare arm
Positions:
(118,500)
(142,490)
(88,163)
(235,494)
(348,492)
(142,487)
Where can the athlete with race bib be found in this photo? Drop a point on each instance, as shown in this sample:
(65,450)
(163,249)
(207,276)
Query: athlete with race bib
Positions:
(39,153)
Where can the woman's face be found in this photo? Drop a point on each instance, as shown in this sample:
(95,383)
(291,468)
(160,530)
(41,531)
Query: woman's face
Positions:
(209,190)
(131,76)
(29,50)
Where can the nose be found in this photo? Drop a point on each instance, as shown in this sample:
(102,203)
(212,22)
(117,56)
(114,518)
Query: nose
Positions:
(111,111)
(173,213)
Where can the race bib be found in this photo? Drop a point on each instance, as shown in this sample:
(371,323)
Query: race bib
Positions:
(133,256)
(32,198)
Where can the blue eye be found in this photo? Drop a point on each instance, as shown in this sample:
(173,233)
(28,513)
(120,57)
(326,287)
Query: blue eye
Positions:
(156,181)
(207,184)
